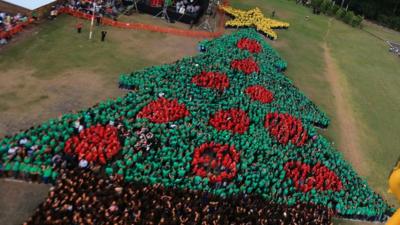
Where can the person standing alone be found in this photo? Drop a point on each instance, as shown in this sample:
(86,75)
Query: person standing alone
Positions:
(103,35)
(79,26)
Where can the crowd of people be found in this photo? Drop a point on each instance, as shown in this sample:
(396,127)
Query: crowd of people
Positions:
(11,24)
(284,127)
(165,136)
(85,197)
(108,8)
(187,6)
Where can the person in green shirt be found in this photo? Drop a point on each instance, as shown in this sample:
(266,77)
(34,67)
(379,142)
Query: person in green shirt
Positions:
(47,174)
(33,172)
(15,169)
(54,176)
(7,168)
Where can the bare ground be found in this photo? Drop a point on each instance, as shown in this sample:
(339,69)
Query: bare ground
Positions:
(14,209)
(27,101)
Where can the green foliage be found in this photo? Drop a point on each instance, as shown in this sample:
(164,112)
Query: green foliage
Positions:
(348,17)
(330,8)
(333,9)
(357,20)
(316,3)
(326,4)
(384,12)
(340,13)
(390,21)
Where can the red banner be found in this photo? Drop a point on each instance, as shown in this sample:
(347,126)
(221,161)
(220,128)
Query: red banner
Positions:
(16,29)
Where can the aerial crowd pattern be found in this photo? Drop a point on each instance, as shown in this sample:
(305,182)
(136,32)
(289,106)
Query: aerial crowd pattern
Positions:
(253,18)
(226,121)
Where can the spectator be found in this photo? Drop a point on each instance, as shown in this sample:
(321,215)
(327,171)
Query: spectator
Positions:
(10,24)
(85,197)
(79,26)
(103,35)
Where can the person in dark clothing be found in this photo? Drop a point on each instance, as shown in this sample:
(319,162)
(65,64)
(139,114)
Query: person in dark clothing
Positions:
(103,35)
(98,20)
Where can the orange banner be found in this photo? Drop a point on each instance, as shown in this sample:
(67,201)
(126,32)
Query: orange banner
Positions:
(148,27)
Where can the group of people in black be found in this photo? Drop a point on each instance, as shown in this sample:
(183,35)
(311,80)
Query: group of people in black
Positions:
(84,197)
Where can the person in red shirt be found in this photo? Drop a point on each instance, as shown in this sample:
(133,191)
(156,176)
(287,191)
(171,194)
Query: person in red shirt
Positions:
(79,27)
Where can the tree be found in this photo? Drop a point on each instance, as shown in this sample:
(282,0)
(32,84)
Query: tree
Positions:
(348,17)
(316,4)
(384,12)
(326,4)
(333,9)
(357,20)
(340,13)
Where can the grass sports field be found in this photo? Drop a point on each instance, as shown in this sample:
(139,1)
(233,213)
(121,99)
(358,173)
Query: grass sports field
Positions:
(347,72)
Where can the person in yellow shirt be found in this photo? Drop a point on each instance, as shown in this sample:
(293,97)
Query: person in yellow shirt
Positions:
(394,187)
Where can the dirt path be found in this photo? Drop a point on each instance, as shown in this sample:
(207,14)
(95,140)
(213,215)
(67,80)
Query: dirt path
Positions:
(349,134)
(19,200)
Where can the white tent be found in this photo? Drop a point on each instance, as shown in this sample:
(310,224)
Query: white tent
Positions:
(30,4)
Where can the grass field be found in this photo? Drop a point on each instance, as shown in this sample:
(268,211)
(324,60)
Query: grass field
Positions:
(347,72)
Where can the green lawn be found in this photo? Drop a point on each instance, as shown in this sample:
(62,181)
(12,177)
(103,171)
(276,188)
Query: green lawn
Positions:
(57,47)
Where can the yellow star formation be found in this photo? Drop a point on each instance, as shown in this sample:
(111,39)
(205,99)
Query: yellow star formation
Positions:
(253,17)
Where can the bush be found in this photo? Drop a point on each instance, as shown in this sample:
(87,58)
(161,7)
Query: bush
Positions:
(333,9)
(348,18)
(357,20)
(340,13)
(326,4)
(316,4)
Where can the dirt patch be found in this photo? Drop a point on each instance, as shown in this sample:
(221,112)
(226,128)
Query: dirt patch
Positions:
(161,48)
(26,100)
(19,200)
(349,134)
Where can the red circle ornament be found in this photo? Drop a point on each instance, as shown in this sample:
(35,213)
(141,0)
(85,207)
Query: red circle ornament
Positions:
(318,177)
(250,45)
(97,143)
(259,93)
(285,128)
(234,120)
(215,161)
(163,110)
(247,66)
(213,80)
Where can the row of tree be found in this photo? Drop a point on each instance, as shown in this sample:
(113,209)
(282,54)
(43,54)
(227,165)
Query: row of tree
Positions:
(331,8)
(385,12)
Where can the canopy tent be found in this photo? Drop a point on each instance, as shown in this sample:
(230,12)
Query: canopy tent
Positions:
(29,4)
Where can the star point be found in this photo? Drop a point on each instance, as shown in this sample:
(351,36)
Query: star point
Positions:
(253,17)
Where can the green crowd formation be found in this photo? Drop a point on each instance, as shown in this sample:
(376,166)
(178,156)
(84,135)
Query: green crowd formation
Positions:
(168,160)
